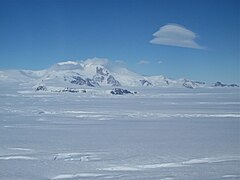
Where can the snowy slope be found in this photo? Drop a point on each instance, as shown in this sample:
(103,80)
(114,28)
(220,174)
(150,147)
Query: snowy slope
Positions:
(163,134)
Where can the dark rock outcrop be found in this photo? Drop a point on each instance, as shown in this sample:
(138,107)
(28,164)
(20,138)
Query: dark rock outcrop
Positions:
(71,90)
(119,91)
(41,88)
(219,84)
(233,85)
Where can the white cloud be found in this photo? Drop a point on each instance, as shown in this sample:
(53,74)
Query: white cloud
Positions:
(119,62)
(143,62)
(160,62)
(176,35)
(96,61)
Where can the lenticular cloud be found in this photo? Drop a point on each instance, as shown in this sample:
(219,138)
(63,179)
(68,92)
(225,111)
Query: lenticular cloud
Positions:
(175,35)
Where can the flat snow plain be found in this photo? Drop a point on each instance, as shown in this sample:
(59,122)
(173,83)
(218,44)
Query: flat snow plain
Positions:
(162,134)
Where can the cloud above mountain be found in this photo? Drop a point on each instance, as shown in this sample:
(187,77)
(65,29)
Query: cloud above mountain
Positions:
(176,35)
(143,62)
(96,61)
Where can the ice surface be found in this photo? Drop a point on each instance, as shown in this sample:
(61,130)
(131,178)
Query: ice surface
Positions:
(17,157)
(231,176)
(74,176)
(160,133)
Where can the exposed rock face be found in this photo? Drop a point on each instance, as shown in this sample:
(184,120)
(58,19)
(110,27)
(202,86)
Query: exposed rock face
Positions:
(41,88)
(188,84)
(102,71)
(192,84)
(98,78)
(219,84)
(119,91)
(80,81)
(91,83)
(101,74)
(112,81)
(145,83)
(102,77)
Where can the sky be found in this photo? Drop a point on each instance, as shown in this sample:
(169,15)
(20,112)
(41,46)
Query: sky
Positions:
(194,39)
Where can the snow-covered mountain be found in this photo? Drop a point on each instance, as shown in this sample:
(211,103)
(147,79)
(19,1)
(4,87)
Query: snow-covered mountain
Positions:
(95,72)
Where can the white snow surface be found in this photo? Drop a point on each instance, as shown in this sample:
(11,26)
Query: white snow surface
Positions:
(158,133)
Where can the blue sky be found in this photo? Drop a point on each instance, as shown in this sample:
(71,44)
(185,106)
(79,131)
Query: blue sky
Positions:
(195,39)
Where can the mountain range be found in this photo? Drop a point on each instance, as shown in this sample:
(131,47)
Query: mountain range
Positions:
(95,72)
